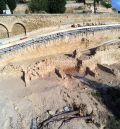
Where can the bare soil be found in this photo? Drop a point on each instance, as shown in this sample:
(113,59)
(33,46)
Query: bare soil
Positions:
(33,92)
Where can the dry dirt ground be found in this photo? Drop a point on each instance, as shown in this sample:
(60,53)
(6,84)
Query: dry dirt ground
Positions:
(33,92)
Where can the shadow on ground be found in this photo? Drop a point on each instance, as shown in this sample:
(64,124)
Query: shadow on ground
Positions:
(109,96)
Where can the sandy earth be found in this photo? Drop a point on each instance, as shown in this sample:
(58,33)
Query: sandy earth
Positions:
(20,104)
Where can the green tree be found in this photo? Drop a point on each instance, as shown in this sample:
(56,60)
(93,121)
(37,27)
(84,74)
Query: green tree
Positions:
(38,5)
(106,4)
(2,6)
(81,1)
(56,6)
(12,5)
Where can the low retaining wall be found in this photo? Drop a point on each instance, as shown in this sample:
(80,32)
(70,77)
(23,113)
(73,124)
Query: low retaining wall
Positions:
(29,23)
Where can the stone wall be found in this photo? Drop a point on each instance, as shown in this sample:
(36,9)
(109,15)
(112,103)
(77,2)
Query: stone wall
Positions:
(34,22)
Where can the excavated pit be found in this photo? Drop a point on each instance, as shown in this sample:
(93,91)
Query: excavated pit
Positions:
(34,92)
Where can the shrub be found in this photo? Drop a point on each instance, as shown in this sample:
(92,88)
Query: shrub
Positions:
(50,6)
(38,5)
(56,6)
(81,1)
(22,1)
(106,4)
(12,5)
(2,6)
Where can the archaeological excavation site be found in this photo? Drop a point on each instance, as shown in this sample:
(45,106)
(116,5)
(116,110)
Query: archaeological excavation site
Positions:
(60,71)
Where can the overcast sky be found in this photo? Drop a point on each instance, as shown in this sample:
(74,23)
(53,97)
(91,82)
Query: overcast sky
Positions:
(116,4)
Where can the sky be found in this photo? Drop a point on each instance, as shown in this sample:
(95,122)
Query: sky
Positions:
(116,4)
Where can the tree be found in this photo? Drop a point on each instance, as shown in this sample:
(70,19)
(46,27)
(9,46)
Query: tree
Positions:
(2,6)
(38,5)
(94,6)
(56,6)
(22,1)
(81,1)
(106,4)
(94,3)
(50,6)
(12,5)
